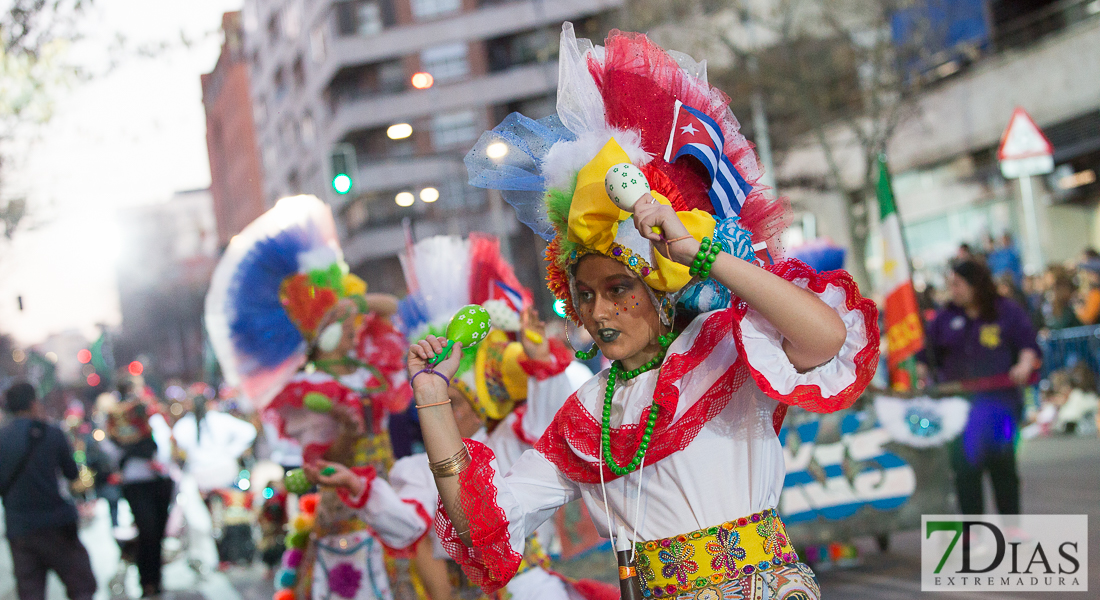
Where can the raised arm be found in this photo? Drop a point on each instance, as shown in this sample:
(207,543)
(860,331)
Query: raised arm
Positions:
(441,438)
(486,515)
(813,333)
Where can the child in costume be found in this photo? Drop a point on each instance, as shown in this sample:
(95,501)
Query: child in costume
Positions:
(505,393)
(674,449)
(304,342)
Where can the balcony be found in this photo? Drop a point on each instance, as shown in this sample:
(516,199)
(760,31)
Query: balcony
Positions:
(491,20)
(498,88)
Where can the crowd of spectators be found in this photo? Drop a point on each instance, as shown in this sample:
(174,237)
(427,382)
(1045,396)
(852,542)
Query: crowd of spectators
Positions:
(1062,297)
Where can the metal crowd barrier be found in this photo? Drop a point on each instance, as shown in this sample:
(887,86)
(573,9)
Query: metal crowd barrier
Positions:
(1065,348)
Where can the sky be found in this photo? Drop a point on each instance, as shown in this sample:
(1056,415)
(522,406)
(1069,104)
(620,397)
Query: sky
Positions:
(129,137)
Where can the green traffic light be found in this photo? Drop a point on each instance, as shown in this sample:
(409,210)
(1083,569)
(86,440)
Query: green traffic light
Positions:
(341,183)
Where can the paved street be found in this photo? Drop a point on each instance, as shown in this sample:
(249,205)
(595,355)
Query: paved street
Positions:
(1060,476)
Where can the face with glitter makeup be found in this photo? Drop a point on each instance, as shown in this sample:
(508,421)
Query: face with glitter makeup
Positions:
(614,307)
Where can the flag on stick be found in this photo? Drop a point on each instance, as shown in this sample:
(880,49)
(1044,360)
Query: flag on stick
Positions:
(695,134)
(904,331)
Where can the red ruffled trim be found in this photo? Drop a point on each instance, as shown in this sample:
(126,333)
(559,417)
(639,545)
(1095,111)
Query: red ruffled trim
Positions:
(291,397)
(517,425)
(809,396)
(490,563)
(367,473)
(574,427)
(560,358)
(383,347)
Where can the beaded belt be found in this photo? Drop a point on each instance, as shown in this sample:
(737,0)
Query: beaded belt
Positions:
(713,555)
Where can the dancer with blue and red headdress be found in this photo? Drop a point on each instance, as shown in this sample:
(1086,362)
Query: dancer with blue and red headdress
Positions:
(306,344)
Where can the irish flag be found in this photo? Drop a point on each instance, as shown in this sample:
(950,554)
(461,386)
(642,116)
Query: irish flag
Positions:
(904,332)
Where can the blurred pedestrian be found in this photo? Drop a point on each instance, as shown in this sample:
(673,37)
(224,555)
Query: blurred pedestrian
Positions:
(965,253)
(1058,310)
(1005,259)
(41,521)
(212,443)
(1087,306)
(981,335)
(145,482)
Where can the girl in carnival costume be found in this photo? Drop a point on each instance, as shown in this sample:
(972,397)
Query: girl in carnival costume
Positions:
(504,394)
(303,342)
(674,449)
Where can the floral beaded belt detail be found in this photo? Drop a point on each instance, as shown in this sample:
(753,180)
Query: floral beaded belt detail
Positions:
(714,555)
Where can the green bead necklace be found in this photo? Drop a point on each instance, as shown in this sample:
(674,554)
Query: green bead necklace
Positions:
(616,374)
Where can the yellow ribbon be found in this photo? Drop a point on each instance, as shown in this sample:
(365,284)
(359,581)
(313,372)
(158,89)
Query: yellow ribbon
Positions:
(594,221)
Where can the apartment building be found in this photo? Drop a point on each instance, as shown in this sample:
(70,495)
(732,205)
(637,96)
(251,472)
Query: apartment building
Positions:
(409,85)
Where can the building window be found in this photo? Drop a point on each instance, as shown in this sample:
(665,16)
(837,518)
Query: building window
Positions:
(280,84)
(364,17)
(391,77)
(273,27)
(299,73)
(317,44)
(427,9)
(259,110)
(452,129)
(446,63)
(356,215)
(292,20)
(521,49)
(309,132)
(363,81)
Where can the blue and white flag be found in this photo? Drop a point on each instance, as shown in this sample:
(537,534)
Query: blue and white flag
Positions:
(694,133)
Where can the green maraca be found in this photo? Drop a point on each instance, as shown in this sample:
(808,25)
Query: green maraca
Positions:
(469,326)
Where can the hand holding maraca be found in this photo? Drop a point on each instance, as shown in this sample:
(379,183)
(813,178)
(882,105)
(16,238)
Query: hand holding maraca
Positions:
(650,216)
(423,352)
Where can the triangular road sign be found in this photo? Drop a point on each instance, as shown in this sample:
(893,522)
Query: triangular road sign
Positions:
(1023,139)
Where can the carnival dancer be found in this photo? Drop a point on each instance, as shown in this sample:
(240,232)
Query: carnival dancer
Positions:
(304,342)
(504,395)
(674,449)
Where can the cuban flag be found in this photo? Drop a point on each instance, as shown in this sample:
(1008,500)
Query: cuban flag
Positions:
(695,134)
(506,293)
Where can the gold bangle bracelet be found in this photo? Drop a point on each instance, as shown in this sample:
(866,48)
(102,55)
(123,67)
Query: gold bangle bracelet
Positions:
(452,466)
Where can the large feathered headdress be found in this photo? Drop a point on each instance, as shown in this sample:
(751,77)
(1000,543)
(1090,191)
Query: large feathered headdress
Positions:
(445,273)
(271,291)
(630,101)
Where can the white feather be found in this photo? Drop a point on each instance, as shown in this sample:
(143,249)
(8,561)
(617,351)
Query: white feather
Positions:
(564,159)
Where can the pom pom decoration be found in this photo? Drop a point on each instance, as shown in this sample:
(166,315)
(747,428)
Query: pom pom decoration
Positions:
(307,504)
(303,522)
(292,558)
(286,578)
(297,539)
(328,471)
(296,481)
(283,595)
(317,402)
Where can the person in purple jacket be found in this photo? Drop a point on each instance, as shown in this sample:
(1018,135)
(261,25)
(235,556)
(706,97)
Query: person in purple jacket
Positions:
(981,335)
